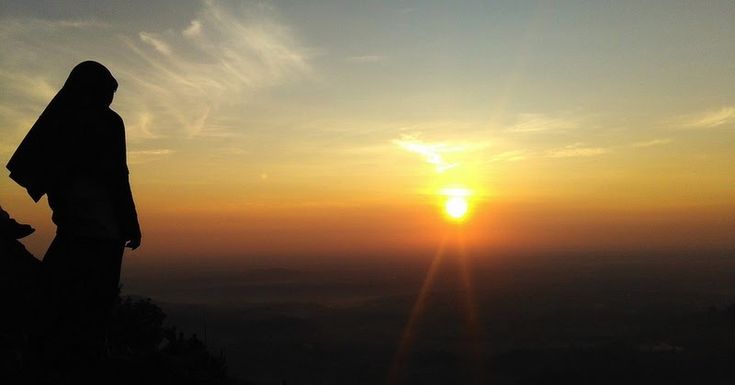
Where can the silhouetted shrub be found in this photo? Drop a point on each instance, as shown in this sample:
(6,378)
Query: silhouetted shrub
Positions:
(139,350)
(144,351)
(136,327)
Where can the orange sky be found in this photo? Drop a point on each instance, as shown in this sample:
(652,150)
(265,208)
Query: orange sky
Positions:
(307,130)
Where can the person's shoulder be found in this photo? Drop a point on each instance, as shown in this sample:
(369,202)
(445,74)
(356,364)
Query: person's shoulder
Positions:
(114,116)
(114,119)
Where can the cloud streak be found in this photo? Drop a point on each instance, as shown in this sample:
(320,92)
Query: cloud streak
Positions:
(708,119)
(533,122)
(431,152)
(143,156)
(366,59)
(215,64)
(650,143)
(576,150)
(155,42)
(173,83)
(509,156)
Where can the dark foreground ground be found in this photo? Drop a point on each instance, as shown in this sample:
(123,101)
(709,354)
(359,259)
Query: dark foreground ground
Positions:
(655,319)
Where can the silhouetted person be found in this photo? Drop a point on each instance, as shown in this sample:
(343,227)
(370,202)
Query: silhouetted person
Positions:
(75,154)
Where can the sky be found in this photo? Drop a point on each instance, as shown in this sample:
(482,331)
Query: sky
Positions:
(261,129)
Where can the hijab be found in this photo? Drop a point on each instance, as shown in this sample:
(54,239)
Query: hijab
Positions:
(57,142)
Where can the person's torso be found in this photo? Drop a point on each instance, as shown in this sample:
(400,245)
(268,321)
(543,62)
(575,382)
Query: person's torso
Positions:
(84,206)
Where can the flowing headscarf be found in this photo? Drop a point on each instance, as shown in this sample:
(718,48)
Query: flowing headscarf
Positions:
(58,140)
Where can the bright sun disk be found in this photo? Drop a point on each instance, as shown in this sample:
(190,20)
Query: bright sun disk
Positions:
(456,207)
(456,204)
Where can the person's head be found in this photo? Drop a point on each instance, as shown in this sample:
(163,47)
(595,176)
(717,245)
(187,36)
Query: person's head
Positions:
(90,83)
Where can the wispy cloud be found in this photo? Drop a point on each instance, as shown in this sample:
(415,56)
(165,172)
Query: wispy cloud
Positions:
(11,25)
(509,156)
(650,143)
(533,122)
(6,149)
(194,29)
(155,42)
(576,150)
(366,59)
(214,64)
(431,152)
(172,82)
(708,119)
(143,156)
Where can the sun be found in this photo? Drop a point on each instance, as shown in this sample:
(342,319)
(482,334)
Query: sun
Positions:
(456,204)
(456,207)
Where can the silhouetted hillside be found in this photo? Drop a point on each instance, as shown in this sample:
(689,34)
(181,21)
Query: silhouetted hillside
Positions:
(140,350)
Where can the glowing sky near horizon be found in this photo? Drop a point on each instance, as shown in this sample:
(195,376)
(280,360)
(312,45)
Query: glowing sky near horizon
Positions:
(332,126)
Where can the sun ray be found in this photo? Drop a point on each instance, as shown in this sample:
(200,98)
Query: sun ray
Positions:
(409,331)
(472,323)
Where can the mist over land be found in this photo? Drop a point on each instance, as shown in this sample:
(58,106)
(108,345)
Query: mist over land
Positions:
(580,318)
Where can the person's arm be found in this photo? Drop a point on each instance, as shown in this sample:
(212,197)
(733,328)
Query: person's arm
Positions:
(10,228)
(4,216)
(130,226)
(124,203)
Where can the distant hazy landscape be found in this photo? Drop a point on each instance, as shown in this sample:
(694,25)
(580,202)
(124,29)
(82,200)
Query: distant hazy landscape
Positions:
(574,319)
